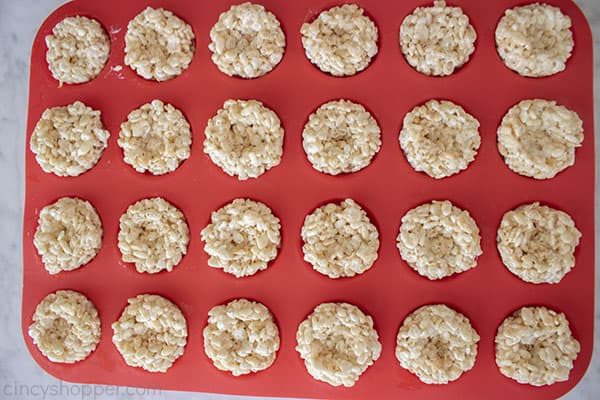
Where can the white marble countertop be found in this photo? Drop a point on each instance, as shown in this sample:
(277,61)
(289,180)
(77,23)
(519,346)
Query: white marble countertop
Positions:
(20,377)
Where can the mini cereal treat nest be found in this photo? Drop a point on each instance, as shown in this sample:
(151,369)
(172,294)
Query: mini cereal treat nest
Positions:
(151,333)
(437,344)
(247,41)
(242,238)
(69,234)
(340,240)
(156,138)
(438,239)
(437,40)
(65,327)
(241,337)
(78,49)
(537,243)
(153,235)
(535,40)
(69,140)
(341,137)
(440,138)
(537,138)
(244,138)
(340,41)
(535,346)
(338,343)
(158,45)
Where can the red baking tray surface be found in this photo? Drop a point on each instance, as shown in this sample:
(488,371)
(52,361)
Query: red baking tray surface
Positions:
(387,189)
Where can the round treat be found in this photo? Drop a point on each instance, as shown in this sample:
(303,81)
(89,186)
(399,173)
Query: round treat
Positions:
(78,49)
(156,138)
(340,240)
(341,41)
(69,234)
(437,344)
(247,41)
(242,238)
(535,40)
(69,140)
(153,235)
(439,138)
(151,333)
(437,40)
(158,44)
(535,346)
(241,337)
(341,137)
(338,343)
(537,243)
(65,327)
(438,239)
(244,138)
(537,138)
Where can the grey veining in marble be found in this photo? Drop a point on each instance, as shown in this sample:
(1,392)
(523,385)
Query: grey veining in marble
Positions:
(20,377)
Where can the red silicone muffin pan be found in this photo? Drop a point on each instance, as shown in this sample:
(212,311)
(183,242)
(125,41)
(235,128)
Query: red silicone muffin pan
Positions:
(387,189)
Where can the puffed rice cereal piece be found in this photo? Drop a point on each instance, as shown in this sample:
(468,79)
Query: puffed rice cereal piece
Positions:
(158,44)
(341,137)
(338,343)
(69,234)
(156,138)
(339,240)
(340,41)
(436,343)
(537,243)
(242,238)
(439,138)
(66,327)
(78,50)
(438,239)
(535,346)
(154,235)
(244,138)
(538,138)
(535,40)
(241,337)
(247,41)
(69,140)
(151,333)
(437,40)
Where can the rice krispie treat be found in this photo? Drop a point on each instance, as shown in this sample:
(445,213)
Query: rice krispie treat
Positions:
(66,327)
(339,240)
(538,138)
(156,138)
(537,243)
(437,40)
(247,41)
(151,333)
(338,343)
(244,138)
(535,40)
(535,346)
(241,337)
(69,234)
(438,239)
(78,49)
(242,238)
(340,41)
(158,44)
(154,235)
(437,344)
(69,140)
(341,137)
(439,138)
